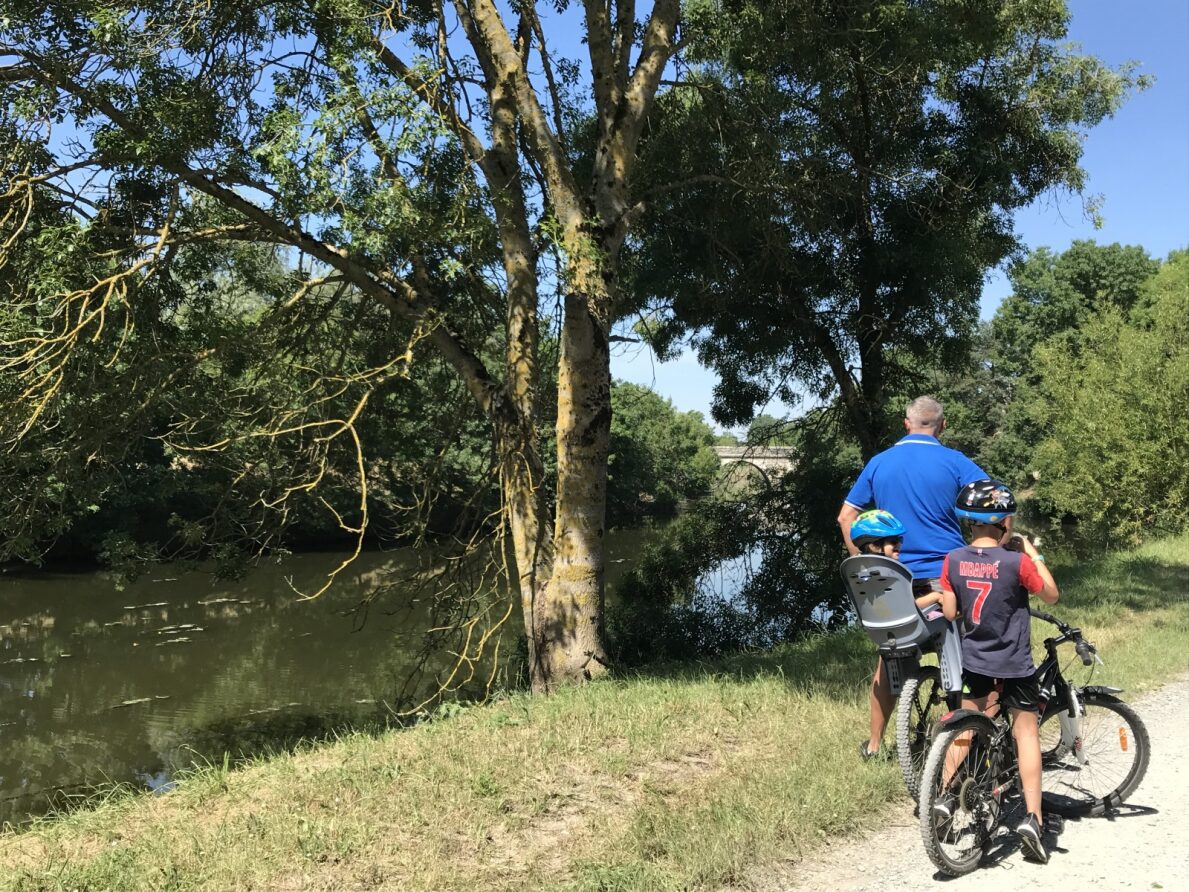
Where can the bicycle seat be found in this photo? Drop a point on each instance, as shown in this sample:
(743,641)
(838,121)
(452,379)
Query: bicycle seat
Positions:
(881,590)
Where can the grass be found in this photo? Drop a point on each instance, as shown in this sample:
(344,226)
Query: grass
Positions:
(687,778)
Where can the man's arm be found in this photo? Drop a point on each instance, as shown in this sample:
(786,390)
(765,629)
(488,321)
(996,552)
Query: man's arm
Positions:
(846,516)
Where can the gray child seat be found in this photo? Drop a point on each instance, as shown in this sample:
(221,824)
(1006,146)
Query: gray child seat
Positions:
(881,590)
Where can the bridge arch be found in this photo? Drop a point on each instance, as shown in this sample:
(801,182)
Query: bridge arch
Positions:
(737,462)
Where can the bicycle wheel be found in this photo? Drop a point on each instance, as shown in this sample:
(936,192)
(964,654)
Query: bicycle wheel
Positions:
(918,707)
(1116,749)
(969,786)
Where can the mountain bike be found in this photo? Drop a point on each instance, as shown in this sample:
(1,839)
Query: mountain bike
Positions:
(1094,752)
(881,590)
(919,705)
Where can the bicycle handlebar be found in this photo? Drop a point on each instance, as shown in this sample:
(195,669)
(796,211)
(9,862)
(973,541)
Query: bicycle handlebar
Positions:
(1085,650)
(1049,618)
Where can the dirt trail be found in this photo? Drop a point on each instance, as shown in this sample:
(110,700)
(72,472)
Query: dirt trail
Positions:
(1145,846)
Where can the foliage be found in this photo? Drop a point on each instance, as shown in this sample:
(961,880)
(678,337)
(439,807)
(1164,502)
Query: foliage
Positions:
(664,609)
(149,487)
(857,166)
(658,456)
(1053,297)
(1114,405)
(765,430)
(1053,294)
(779,547)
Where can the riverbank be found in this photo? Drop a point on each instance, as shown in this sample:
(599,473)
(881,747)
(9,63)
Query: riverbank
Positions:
(685,778)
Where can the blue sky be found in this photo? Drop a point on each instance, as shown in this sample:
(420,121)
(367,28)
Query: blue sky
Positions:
(1138,162)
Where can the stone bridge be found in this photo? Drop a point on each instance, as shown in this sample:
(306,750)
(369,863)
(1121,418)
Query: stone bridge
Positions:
(770,461)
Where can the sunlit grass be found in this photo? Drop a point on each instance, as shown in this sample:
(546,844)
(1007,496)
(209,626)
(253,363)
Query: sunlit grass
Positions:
(685,777)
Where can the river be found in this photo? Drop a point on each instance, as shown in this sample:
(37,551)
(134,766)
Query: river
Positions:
(101,686)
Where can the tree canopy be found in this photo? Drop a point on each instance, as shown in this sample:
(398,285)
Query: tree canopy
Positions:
(1111,401)
(1055,293)
(413,168)
(857,168)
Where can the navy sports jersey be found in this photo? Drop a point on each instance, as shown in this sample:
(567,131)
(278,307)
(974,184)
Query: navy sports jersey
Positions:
(992,587)
(917,480)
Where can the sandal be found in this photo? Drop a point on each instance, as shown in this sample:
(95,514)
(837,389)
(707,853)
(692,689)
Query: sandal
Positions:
(865,753)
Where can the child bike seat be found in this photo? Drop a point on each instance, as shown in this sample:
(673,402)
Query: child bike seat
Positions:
(881,590)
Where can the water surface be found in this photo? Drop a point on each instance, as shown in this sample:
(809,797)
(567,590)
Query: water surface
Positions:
(100,686)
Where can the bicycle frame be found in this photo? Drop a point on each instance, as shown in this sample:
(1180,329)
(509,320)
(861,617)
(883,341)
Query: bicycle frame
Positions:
(1055,691)
(972,763)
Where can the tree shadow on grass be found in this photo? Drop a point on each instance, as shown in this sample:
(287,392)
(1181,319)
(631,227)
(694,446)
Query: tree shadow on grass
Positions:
(1136,582)
(836,664)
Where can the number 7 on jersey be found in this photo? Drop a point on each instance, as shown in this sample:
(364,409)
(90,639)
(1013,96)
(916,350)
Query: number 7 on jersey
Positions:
(981,588)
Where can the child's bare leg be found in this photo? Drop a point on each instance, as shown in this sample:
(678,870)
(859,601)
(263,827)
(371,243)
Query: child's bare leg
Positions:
(1026,730)
(960,748)
(880,701)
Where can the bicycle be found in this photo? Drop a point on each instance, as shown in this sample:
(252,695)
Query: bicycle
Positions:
(1094,752)
(881,590)
(918,707)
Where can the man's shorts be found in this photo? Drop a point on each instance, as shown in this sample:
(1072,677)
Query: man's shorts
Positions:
(1015,693)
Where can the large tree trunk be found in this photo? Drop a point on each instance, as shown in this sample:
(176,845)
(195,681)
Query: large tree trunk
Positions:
(516,435)
(568,620)
(565,616)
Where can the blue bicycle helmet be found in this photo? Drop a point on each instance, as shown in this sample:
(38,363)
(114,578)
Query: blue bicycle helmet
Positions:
(986,501)
(872,525)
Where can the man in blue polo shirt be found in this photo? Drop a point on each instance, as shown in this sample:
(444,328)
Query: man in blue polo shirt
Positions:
(917,480)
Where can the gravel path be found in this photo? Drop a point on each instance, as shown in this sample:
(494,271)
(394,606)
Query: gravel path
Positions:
(1144,846)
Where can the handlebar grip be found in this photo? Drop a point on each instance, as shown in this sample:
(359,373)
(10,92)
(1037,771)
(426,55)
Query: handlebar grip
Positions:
(1084,650)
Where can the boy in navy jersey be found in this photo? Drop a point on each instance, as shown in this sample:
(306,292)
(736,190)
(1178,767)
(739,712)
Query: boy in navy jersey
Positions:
(988,585)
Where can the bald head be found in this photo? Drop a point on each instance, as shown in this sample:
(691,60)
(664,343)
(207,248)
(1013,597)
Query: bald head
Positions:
(924,415)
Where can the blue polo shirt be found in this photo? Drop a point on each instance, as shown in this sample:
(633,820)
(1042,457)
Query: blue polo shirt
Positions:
(918,480)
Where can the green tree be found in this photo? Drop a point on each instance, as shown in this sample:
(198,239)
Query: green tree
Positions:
(766,430)
(858,165)
(411,158)
(1114,404)
(1054,296)
(658,456)
(1055,293)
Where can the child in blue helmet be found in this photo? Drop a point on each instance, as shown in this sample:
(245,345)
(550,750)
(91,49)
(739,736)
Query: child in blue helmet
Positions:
(879,532)
(989,584)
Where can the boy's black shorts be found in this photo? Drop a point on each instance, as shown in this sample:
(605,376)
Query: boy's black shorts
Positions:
(1016,693)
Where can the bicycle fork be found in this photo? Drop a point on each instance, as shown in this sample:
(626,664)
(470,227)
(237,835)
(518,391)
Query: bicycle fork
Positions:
(1071,720)
(1071,728)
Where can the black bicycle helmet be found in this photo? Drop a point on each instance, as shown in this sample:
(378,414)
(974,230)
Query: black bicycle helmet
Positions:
(986,501)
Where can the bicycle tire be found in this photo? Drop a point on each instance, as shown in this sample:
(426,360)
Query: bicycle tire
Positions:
(1116,747)
(918,707)
(956,845)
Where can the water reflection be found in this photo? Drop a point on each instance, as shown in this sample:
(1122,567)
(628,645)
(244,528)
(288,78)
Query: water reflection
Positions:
(100,686)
